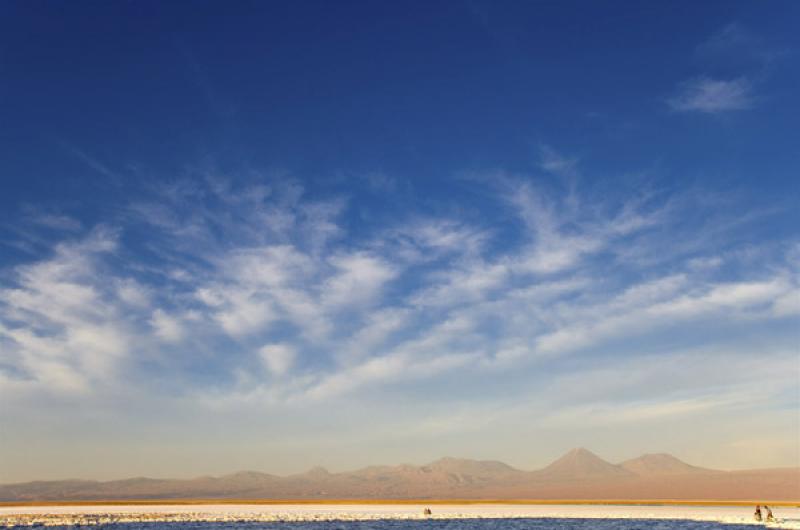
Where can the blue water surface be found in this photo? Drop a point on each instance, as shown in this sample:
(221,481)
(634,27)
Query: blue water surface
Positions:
(441,524)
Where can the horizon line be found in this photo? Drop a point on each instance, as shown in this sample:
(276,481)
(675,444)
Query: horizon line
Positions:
(410,501)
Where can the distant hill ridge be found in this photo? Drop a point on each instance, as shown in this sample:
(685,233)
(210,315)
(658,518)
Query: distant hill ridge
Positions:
(578,474)
(660,464)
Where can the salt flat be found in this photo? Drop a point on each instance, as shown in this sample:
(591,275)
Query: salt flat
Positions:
(64,515)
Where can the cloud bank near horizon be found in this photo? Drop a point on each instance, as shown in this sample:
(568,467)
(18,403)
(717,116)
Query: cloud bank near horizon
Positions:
(245,300)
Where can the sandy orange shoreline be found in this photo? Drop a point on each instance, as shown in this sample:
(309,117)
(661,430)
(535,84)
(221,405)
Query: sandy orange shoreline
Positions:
(400,502)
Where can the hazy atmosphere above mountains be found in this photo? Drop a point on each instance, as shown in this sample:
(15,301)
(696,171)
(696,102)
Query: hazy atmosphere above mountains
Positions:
(269,236)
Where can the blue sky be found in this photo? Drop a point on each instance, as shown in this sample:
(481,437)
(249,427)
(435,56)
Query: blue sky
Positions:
(267,236)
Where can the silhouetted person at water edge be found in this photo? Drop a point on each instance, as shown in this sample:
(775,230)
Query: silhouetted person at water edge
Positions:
(427,511)
(757,515)
(770,517)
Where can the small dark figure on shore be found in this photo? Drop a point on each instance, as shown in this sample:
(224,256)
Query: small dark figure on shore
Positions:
(757,515)
(770,517)
(427,511)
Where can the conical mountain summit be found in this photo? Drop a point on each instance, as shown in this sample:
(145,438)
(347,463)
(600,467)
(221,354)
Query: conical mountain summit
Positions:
(581,463)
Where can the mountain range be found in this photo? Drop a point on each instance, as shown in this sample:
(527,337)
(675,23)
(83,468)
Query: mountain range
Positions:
(578,475)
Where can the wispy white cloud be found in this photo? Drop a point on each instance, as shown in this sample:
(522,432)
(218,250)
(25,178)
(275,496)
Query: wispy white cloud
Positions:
(397,366)
(732,35)
(376,330)
(734,61)
(735,46)
(55,221)
(167,327)
(95,164)
(712,96)
(61,321)
(555,162)
(278,358)
(563,233)
(358,279)
(380,182)
(271,292)
(662,304)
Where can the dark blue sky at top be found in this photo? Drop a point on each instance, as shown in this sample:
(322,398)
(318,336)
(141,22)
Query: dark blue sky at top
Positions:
(415,90)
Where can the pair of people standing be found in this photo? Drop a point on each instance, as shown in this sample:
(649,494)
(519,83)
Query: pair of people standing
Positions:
(758,516)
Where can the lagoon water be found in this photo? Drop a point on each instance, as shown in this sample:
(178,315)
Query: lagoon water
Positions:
(440,524)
